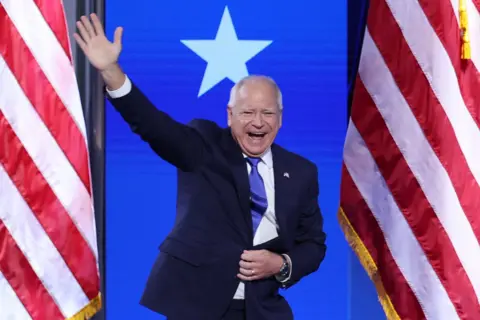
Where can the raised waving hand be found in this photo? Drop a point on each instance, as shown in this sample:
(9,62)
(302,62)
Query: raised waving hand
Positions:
(91,38)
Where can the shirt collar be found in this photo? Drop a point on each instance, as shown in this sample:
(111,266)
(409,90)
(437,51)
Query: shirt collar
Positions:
(266,158)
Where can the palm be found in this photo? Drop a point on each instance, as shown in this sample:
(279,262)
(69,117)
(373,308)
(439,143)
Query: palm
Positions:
(101,52)
(92,40)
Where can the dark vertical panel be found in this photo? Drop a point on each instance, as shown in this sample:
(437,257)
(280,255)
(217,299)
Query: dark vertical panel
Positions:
(91,93)
(357,18)
(97,147)
(97,152)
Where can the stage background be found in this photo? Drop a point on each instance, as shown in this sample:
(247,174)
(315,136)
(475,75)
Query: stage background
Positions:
(308,59)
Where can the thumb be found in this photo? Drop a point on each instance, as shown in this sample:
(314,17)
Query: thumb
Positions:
(118,36)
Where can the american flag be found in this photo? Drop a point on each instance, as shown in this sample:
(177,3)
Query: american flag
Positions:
(48,248)
(410,193)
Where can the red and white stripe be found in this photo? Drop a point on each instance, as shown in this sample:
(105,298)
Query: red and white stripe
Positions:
(411,175)
(48,260)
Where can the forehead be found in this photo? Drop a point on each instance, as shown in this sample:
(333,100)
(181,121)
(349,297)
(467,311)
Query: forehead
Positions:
(257,93)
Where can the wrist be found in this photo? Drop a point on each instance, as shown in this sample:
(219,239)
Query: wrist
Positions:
(113,76)
(278,263)
(284,268)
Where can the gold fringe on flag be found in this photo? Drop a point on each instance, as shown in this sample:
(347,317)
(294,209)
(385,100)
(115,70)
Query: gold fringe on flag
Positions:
(466,51)
(89,310)
(368,264)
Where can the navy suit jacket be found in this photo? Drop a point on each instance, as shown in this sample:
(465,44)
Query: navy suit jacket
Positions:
(194,276)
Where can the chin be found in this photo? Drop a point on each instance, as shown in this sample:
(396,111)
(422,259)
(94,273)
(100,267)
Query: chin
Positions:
(256,151)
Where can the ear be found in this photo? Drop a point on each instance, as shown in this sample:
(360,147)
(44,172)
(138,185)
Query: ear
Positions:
(229,115)
(280,117)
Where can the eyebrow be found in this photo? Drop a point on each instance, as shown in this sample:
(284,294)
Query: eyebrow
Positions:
(262,109)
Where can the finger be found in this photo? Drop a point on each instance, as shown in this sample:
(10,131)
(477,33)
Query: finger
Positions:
(88,26)
(242,277)
(80,42)
(246,264)
(253,255)
(248,278)
(247,272)
(117,37)
(247,256)
(85,36)
(97,25)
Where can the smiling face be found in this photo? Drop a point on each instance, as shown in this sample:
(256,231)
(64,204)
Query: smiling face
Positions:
(255,115)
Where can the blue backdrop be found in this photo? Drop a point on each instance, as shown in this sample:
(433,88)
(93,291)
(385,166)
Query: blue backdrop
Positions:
(305,53)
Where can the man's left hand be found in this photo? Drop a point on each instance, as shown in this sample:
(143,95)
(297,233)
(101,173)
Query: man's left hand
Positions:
(259,264)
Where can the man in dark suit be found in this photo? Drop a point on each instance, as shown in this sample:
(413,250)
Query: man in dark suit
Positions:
(248,221)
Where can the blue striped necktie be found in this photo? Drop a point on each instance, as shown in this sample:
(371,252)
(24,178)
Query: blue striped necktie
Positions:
(258,195)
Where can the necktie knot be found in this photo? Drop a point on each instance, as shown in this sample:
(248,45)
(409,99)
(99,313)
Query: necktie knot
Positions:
(253,161)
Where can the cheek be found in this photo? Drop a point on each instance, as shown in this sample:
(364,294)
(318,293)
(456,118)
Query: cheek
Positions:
(273,124)
(243,126)
(238,128)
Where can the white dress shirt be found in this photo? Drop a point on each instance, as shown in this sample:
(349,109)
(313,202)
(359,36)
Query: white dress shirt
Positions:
(268,227)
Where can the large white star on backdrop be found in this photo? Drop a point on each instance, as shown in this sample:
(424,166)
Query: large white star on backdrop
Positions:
(226,56)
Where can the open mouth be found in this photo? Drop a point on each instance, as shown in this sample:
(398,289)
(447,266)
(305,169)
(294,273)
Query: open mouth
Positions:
(256,135)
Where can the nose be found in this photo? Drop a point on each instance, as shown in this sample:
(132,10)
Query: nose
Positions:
(257,120)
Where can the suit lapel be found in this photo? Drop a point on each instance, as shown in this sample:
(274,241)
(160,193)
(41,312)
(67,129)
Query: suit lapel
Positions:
(238,168)
(282,185)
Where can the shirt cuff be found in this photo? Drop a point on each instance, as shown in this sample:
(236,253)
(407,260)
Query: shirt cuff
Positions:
(285,279)
(122,91)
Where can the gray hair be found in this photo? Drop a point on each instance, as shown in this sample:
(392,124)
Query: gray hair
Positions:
(242,82)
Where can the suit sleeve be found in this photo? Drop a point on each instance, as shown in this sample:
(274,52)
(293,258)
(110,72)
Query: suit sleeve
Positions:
(310,248)
(179,144)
